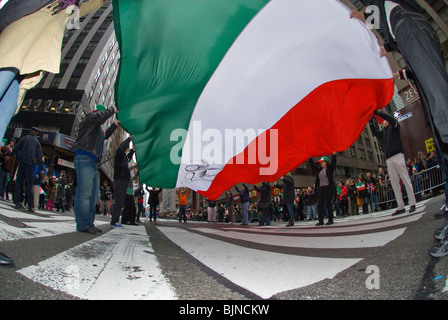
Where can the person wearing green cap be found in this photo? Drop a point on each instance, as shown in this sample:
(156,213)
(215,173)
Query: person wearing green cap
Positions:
(89,145)
(325,187)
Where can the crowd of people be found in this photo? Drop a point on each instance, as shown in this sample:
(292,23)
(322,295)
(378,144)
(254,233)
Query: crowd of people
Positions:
(45,192)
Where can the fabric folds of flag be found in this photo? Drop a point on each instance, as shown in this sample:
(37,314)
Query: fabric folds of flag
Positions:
(219,92)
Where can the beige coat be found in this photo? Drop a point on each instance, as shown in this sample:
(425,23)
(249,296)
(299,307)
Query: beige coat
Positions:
(33,43)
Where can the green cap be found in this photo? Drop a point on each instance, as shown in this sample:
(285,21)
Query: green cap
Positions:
(100,107)
(323,159)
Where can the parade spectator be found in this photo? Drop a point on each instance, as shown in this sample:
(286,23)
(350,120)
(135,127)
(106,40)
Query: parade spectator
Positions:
(139,194)
(244,197)
(153,202)
(87,155)
(325,187)
(264,205)
(211,211)
(129,215)
(105,198)
(381,188)
(371,187)
(221,211)
(60,193)
(7,162)
(183,193)
(51,195)
(29,152)
(68,196)
(353,197)
(300,197)
(229,205)
(390,139)
(416,177)
(311,203)
(289,195)
(363,193)
(43,194)
(37,183)
(122,177)
(343,198)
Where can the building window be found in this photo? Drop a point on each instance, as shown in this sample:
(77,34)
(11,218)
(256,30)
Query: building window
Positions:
(56,81)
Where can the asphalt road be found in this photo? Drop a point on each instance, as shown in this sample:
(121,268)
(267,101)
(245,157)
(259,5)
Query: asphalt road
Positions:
(371,257)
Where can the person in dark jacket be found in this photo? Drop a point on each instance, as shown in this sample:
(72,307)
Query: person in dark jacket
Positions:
(29,152)
(244,197)
(105,198)
(229,202)
(122,176)
(325,187)
(288,196)
(153,202)
(390,140)
(87,155)
(60,193)
(407,31)
(265,203)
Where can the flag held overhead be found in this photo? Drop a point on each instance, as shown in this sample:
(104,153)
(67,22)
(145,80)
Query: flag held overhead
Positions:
(219,92)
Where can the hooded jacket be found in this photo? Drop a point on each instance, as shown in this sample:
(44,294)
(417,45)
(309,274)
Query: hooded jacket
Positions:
(121,163)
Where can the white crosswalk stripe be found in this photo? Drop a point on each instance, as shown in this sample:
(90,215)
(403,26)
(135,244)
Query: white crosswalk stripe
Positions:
(121,263)
(232,261)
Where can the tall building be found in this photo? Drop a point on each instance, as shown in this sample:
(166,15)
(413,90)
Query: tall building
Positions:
(89,64)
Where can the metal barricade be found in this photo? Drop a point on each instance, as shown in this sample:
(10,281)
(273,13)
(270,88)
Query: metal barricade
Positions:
(426,183)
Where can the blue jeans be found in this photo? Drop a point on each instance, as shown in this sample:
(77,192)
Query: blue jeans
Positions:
(24,172)
(87,192)
(245,211)
(9,93)
(312,209)
(140,210)
(182,213)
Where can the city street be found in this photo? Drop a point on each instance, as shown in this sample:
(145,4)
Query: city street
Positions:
(374,256)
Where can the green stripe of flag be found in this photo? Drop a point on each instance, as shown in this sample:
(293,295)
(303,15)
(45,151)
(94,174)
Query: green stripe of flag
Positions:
(169,51)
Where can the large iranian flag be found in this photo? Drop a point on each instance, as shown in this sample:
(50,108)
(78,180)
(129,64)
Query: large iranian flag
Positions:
(218,92)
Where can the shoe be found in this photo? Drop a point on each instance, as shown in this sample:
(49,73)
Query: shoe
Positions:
(6,261)
(289,225)
(117,225)
(18,206)
(440,249)
(31,210)
(443,212)
(398,212)
(411,209)
(329,223)
(441,233)
(91,230)
(97,230)
(319,224)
